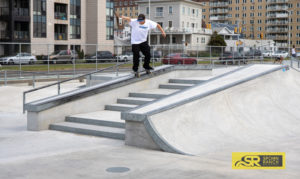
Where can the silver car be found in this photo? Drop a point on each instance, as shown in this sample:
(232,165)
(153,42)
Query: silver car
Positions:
(23,58)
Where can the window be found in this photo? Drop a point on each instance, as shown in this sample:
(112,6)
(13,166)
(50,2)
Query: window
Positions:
(203,40)
(159,12)
(39,19)
(110,19)
(75,19)
(170,10)
(147,10)
(170,24)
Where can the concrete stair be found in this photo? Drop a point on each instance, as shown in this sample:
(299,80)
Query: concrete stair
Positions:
(175,86)
(120,107)
(155,93)
(186,81)
(107,123)
(134,101)
(101,118)
(93,130)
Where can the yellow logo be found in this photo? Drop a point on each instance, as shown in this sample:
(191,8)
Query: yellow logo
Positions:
(258,160)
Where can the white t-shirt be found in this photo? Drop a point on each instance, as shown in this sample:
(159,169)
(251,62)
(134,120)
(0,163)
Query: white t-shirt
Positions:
(139,33)
(293,51)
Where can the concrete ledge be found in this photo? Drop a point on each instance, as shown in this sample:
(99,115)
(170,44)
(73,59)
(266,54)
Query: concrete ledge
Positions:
(50,102)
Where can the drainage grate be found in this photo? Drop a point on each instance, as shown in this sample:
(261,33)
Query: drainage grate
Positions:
(117,169)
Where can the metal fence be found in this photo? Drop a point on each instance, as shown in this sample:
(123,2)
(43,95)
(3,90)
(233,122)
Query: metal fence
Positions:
(24,61)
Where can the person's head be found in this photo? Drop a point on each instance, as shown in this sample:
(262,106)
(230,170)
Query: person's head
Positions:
(141,19)
(293,46)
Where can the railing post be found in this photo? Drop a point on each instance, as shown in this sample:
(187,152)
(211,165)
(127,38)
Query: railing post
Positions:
(33,80)
(74,60)
(58,88)
(20,64)
(210,55)
(96,57)
(24,101)
(117,70)
(5,77)
(90,78)
(48,62)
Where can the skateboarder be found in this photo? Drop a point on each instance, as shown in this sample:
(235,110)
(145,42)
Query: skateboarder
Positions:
(139,35)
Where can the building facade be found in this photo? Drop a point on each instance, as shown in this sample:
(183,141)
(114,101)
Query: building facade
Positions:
(56,25)
(181,20)
(258,19)
(127,8)
(14,24)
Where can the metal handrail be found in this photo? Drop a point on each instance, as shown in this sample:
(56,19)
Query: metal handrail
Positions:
(60,82)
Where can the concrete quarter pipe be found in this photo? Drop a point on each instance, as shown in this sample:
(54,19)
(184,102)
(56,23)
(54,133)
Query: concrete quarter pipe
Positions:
(260,114)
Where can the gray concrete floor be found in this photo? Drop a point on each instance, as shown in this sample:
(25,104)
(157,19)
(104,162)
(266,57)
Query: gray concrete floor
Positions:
(52,154)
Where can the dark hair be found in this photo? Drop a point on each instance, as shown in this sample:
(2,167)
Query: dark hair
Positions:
(141,17)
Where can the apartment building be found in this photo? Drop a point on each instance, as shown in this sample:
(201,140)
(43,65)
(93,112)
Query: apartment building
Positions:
(14,24)
(181,20)
(62,24)
(127,7)
(267,19)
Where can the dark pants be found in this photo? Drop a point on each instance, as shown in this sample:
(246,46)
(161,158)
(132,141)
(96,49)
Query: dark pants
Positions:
(145,49)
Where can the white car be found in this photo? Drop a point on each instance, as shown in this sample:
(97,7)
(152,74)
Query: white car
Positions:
(280,54)
(126,57)
(268,54)
(23,58)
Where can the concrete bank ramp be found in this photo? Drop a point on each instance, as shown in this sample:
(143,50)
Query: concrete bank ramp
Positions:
(252,106)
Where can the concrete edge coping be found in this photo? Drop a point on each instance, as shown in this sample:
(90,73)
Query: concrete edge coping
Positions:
(130,116)
(49,102)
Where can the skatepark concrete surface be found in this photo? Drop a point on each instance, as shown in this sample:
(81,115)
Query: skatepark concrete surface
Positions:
(273,126)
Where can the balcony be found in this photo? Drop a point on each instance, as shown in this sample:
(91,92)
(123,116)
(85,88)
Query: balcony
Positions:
(61,36)
(277,1)
(21,35)
(60,11)
(4,35)
(21,12)
(60,16)
(277,8)
(278,15)
(4,11)
(219,4)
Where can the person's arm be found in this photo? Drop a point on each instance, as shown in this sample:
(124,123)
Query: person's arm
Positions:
(126,18)
(162,30)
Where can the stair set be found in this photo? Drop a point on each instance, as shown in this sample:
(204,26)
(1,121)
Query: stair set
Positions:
(107,123)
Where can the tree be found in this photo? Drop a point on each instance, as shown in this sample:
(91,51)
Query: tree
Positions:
(217,42)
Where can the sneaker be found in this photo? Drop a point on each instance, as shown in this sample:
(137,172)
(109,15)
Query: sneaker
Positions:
(148,68)
(137,74)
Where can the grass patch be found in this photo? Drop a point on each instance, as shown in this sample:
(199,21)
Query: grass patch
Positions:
(62,67)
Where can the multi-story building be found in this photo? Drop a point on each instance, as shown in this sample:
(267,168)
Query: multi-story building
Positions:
(267,19)
(181,20)
(14,24)
(127,8)
(61,24)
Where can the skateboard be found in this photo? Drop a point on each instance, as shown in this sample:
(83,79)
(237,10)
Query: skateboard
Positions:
(138,74)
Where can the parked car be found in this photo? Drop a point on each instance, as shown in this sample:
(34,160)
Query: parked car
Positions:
(179,58)
(63,56)
(23,58)
(283,54)
(298,54)
(101,56)
(268,54)
(127,56)
(232,57)
(255,53)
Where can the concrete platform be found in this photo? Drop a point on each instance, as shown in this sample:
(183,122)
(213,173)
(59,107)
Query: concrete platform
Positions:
(51,154)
